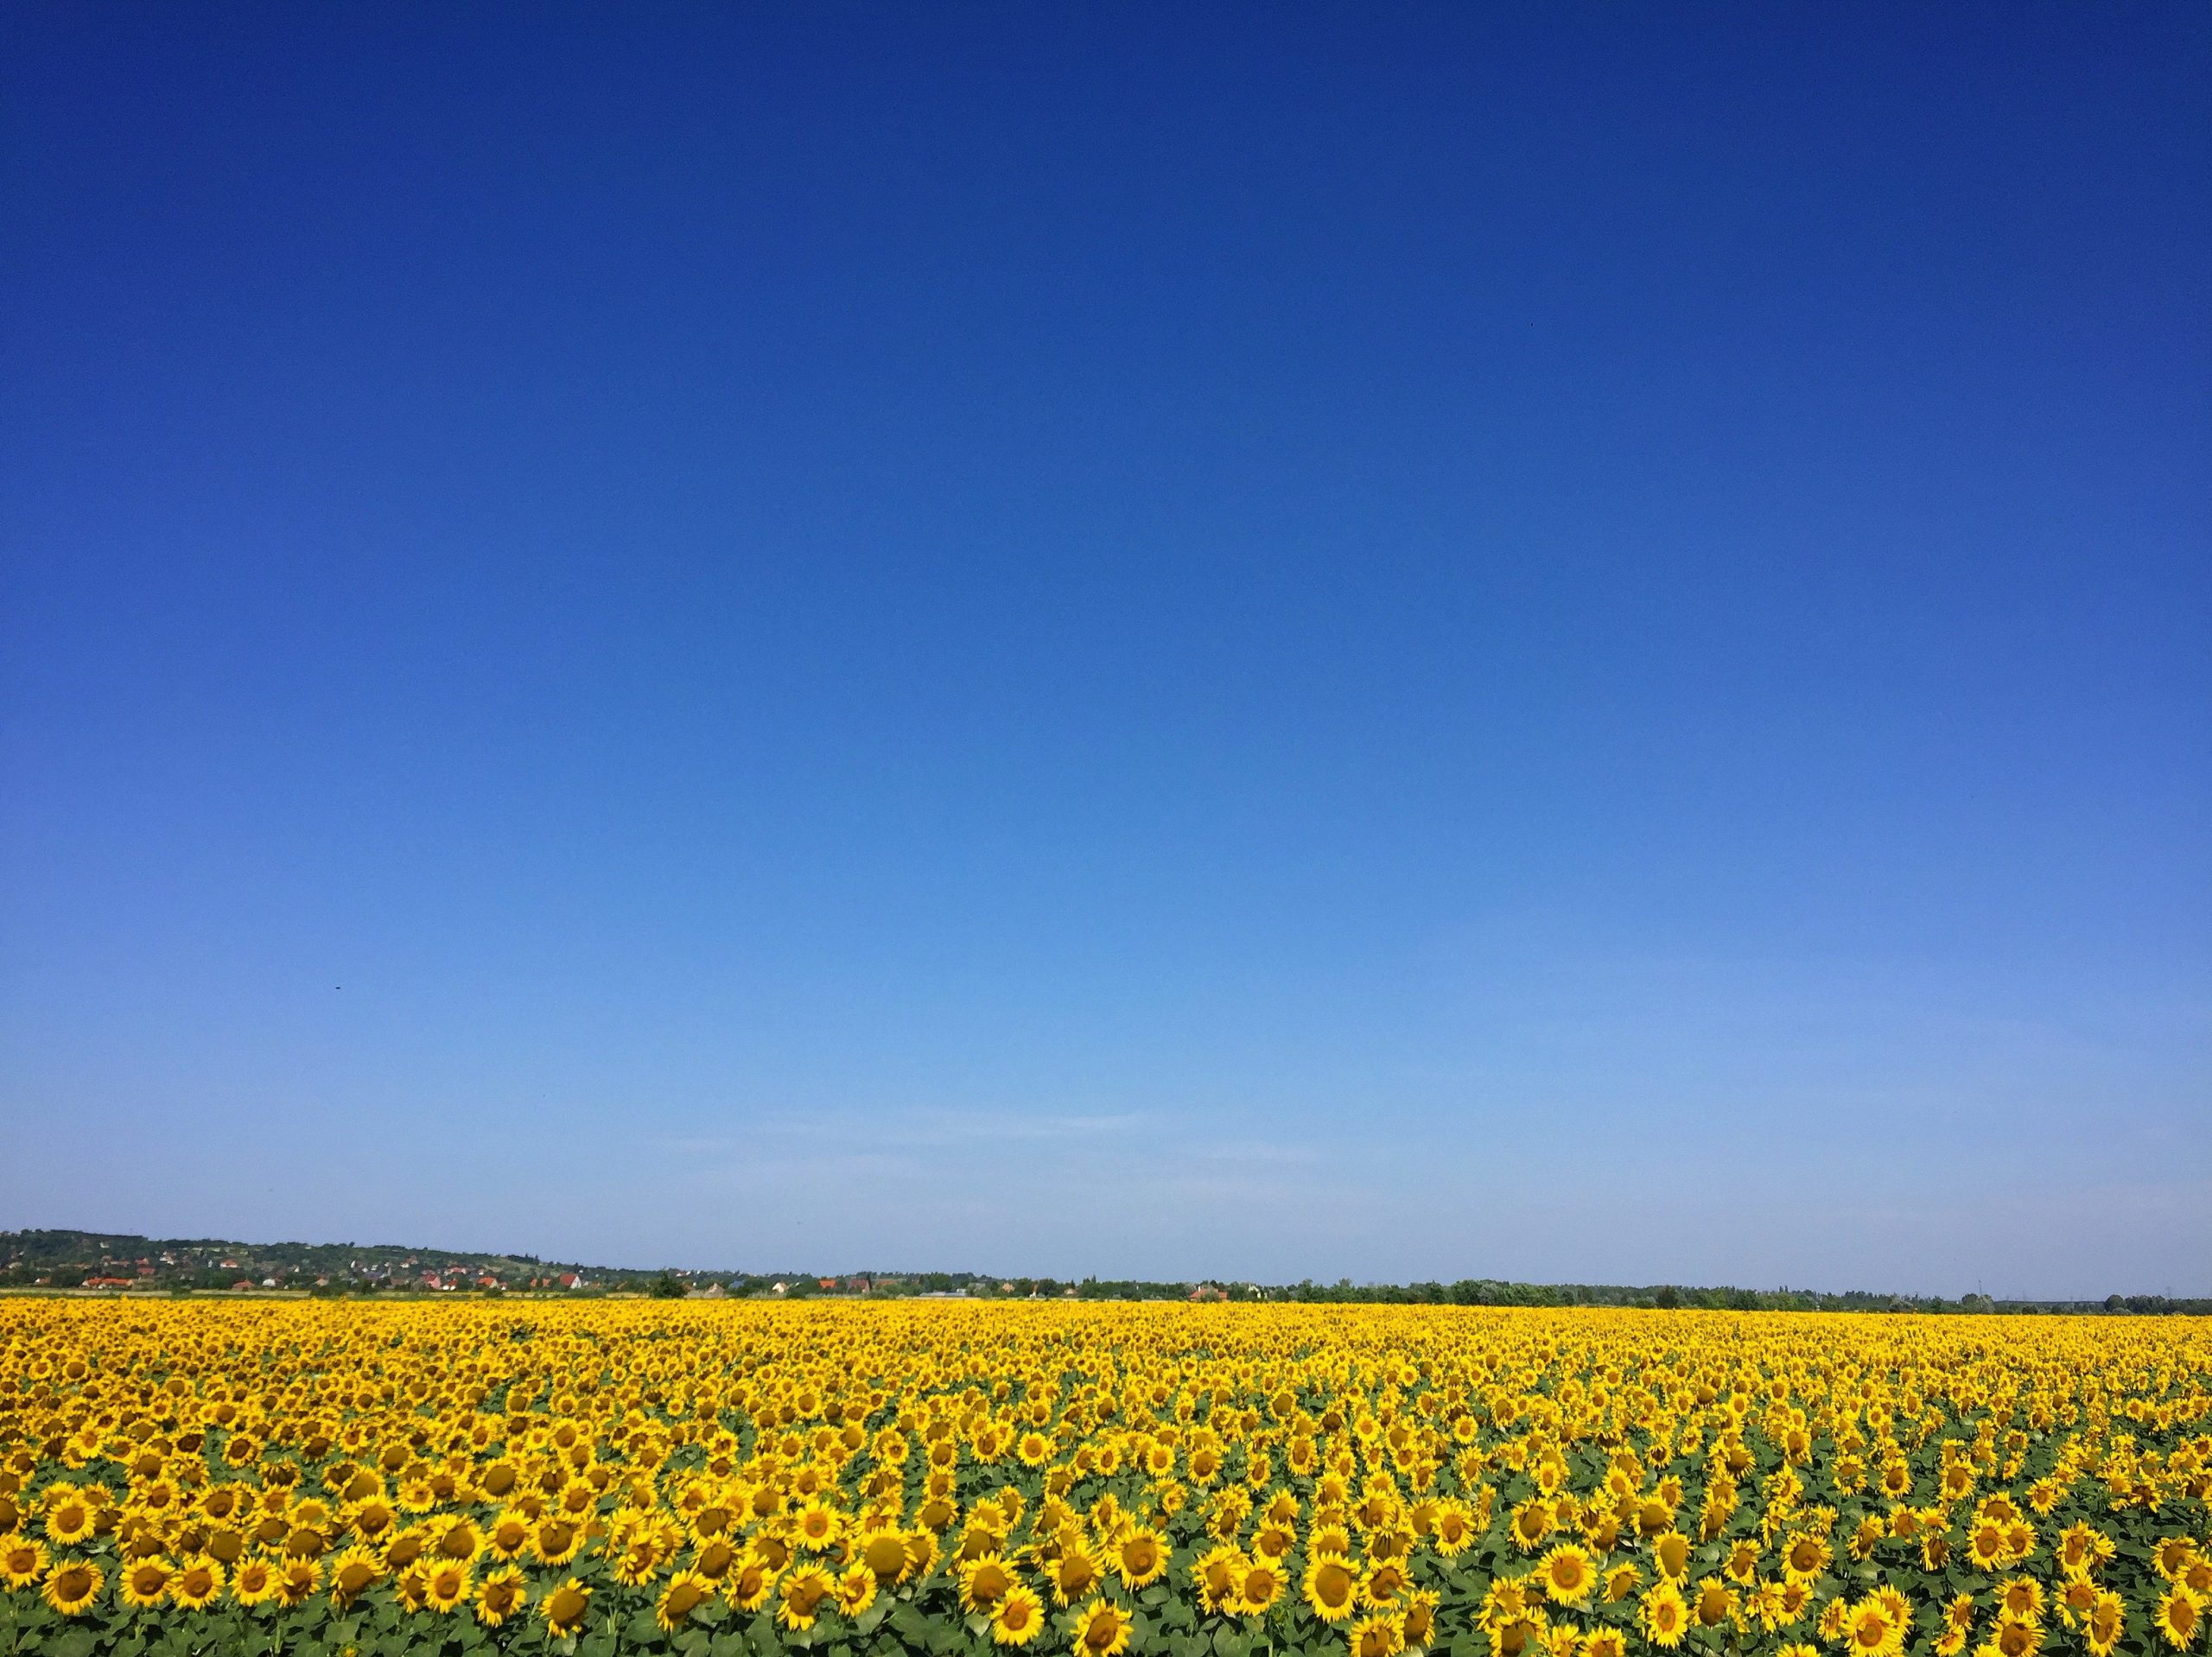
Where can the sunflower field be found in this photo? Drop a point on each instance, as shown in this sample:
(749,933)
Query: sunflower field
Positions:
(869,1480)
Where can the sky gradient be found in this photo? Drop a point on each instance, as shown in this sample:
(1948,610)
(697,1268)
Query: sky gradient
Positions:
(1420,642)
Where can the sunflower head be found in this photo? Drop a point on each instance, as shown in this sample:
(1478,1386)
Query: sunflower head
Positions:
(499,1597)
(1100,1628)
(565,1608)
(1019,1617)
(72,1586)
(2178,1618)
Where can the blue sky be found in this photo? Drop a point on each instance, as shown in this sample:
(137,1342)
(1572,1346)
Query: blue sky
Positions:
(1423,641)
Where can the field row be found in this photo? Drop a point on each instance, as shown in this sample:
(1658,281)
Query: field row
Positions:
(743,1479)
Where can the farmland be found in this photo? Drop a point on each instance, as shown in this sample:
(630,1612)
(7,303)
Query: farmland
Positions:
(869,1479)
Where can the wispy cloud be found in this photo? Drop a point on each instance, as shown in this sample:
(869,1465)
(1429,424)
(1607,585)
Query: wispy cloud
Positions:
(774,1130)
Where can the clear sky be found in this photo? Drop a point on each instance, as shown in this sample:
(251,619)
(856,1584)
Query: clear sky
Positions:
(1394,641)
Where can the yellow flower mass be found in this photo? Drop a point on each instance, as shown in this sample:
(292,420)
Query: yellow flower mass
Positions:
(888,1478)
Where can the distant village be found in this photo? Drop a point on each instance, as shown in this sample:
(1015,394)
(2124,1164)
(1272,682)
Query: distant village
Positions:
(87,1262)
(112,1263)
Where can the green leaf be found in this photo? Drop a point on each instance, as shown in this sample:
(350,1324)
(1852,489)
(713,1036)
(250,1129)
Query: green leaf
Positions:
(911,1624)
(761,1632)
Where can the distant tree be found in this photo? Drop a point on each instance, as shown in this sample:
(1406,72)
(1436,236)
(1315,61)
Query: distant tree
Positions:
(669,1287)
(1667,1298)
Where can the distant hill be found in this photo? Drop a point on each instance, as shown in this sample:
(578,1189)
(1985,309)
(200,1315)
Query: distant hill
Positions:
(117,1260)
(123,1260)
(69,1258)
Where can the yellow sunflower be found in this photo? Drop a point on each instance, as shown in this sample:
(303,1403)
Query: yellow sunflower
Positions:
(1532,1522)
(254,1582)
(1567,1574)
(1665,1615)
(352,1573)
(2105,1624)
(499,1596)
(1100,1629)
(297,1581)
(23,1561)
(1380,1633)
(1213,1573)
(1872,1629)
(1259,1585)
(72,1586)
(2178,1618)
(565,1609)
(686,1592)
(70,1519)
(805,1590)
(144,1584)
(818,1525)
(884,1553)
(983,1581)
(198,1583)
(554,1542)
(1330,1587)
(1139,1557)
(446,1586)
(752,1583)
(1418,1623)
(855,1589)
(1019,1617)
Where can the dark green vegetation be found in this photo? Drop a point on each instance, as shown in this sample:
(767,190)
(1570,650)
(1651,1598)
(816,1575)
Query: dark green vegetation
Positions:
(69,1260)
